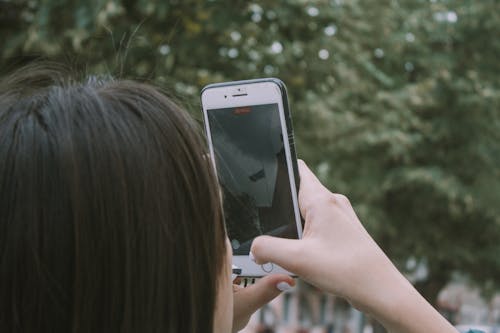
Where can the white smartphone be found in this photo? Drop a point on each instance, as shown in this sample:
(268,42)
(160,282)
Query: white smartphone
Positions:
(250,137)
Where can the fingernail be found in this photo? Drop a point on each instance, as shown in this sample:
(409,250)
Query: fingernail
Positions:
(283,286)
(250,255)
(235,272)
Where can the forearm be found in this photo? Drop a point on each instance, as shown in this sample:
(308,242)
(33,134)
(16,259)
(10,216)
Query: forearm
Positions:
(404,310)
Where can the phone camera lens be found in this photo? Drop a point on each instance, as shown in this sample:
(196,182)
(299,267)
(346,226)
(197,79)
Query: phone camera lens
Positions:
(225,96)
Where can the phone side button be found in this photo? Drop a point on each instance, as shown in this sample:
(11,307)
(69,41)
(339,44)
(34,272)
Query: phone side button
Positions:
(268,268)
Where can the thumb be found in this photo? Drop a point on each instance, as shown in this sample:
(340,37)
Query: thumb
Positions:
(281,251)
(250,299)
(263,291)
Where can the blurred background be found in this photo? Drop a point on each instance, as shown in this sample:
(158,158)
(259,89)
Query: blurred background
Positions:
(396,103)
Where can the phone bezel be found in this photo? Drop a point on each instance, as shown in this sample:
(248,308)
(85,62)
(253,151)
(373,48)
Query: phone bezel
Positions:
(255,92)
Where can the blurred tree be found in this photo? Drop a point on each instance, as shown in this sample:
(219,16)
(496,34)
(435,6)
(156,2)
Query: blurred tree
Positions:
(396,103)
(417,141)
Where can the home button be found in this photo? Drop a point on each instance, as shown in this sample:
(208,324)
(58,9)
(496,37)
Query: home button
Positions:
(268,268)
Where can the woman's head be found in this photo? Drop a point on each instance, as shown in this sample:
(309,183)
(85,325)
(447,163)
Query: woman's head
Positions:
(110,215)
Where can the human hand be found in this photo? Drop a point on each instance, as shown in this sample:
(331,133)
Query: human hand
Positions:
(337,255)
(251,298)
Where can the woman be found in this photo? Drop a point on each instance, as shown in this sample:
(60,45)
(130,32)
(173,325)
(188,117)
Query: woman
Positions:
(111,221)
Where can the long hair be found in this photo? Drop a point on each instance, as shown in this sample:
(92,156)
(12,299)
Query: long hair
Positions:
(110,215)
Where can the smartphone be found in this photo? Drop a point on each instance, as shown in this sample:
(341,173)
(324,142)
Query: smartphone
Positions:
(250,137)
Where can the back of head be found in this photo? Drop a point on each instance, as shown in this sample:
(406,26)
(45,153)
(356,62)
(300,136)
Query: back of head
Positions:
(110,216)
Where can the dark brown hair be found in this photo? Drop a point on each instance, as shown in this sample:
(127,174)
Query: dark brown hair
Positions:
(110,216)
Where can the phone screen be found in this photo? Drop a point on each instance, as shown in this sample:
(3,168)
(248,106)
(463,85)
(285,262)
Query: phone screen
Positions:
(252,169)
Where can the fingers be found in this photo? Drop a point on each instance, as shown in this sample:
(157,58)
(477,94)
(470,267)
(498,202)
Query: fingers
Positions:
(310,189)
(308,181)
(253,297)
(281,251)
(250,299)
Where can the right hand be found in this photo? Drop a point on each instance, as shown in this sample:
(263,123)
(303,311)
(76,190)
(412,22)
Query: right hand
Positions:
(336,253)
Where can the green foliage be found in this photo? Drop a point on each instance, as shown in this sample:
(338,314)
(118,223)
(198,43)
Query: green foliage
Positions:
(395,103)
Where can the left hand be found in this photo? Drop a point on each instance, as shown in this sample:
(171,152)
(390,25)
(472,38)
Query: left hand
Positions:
(251,298)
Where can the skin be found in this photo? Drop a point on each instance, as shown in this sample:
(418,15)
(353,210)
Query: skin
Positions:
(337,255)
(235,304)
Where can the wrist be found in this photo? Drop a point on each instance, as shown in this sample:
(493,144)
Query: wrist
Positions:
(382,292)
(392,302)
